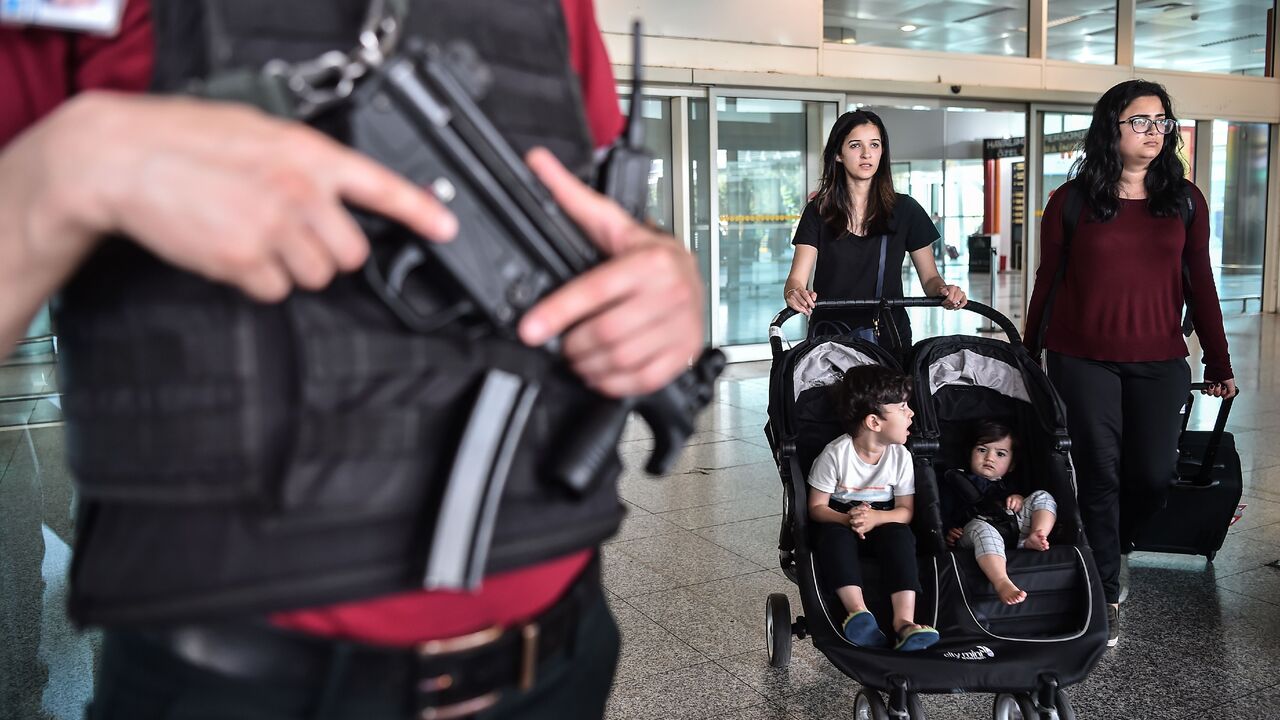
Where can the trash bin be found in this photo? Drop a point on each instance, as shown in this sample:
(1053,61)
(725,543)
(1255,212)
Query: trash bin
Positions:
(980,253)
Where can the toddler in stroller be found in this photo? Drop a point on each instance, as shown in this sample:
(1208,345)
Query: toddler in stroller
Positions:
(862,490)
(981,510)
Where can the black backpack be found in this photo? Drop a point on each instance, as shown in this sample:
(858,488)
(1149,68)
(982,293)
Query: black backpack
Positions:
(1072,208)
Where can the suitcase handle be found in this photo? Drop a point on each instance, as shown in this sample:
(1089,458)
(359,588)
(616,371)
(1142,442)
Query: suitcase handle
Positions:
(1215,439)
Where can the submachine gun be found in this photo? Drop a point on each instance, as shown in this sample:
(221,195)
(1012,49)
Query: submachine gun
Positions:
(415,110)
(417,114)
(412,106)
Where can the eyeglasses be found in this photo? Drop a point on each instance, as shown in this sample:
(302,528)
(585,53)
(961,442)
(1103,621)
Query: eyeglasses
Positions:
(1142,123)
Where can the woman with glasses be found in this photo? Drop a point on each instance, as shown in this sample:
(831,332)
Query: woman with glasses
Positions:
(1107,309)
(856,231)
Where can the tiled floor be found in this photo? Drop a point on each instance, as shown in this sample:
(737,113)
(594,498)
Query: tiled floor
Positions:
(688,574)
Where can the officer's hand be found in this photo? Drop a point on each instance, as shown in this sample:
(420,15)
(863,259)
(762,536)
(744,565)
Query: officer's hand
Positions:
(633,323)
(219,189)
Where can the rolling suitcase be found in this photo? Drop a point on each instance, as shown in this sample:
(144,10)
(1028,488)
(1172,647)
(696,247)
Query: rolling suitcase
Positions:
(1204,498)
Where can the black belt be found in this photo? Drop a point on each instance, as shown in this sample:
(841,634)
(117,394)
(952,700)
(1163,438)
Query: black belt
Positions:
(443,678)
(844,507)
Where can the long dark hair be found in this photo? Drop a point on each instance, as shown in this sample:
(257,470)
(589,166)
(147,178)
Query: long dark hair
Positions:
(1097,172)
(833,190)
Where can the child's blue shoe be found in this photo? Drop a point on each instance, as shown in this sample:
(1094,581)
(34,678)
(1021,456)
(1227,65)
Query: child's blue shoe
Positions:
(916,637)
(862,630)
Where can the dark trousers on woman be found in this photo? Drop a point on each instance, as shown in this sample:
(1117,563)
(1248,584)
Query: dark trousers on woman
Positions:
(836,547)
(1124,423)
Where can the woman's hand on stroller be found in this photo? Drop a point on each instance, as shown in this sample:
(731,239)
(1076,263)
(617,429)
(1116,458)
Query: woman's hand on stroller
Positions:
(955,297)
(1014,503)
(801,300)
(953,536)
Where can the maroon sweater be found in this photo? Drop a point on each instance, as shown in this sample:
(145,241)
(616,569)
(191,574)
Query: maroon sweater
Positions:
(1121,298)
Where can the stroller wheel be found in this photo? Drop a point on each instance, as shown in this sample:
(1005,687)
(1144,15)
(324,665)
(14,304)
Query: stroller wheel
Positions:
(1022,707)
(1013,707)
(869,706)
(777,629)
(1065,711)
(915,709)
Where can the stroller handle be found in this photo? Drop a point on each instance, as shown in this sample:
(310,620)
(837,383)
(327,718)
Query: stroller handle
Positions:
(995,316)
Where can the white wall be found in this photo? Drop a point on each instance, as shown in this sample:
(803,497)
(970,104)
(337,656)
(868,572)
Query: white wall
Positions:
(778,44)
(796,23)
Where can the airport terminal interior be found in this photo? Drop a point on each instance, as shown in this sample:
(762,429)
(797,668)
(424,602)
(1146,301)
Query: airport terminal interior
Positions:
(736,106)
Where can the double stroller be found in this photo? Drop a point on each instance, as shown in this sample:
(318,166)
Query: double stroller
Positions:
(1025,653)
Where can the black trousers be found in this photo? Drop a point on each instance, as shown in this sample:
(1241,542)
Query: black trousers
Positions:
(1124,423)
(140,681)
(836,547)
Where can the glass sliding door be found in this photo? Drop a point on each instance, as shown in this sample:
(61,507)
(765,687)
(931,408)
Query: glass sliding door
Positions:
(1055,139)
(764,155)
(1238,211)
(1063,143)
(700,180)
(655,117)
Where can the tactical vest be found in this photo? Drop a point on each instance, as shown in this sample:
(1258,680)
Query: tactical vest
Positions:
(234,457)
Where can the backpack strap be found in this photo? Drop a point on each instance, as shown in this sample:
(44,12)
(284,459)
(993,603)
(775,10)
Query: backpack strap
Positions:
(1187,209)
(1072,207)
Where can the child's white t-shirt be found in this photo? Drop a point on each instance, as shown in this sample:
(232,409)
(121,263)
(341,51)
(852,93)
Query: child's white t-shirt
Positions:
(849,478)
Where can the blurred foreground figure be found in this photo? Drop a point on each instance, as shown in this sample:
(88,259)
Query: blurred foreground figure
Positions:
(292,503)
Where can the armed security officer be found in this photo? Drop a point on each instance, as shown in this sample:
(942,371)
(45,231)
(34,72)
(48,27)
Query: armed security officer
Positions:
(260,449)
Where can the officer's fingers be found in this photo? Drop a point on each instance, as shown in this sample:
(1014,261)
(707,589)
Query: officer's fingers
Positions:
(364,182)
(340,235)
(654,374)
(615,326)
(572,302)
(603,220)
(306,258)
(628,355)
(640,272)
(645,360)
(264,282)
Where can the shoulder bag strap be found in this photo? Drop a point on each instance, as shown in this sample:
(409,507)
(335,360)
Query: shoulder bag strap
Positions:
(1071,210)
(884,327)
(1187,210)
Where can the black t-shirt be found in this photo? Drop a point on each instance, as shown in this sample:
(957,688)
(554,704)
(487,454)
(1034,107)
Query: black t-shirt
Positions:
(848,264)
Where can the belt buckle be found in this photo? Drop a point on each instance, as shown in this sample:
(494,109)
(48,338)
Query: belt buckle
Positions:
(530,634)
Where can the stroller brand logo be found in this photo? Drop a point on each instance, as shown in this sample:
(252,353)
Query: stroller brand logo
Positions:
(981,652)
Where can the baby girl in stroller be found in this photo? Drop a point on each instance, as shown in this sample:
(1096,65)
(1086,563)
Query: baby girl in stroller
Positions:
(981,510)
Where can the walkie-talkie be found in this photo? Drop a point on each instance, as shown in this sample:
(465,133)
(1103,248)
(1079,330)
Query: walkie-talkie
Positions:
(624,175)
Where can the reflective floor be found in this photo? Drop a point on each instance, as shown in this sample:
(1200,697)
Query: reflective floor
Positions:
(688,574)
(690,570)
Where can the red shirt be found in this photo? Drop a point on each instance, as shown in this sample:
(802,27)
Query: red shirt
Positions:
(41,68)
(1121,297)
